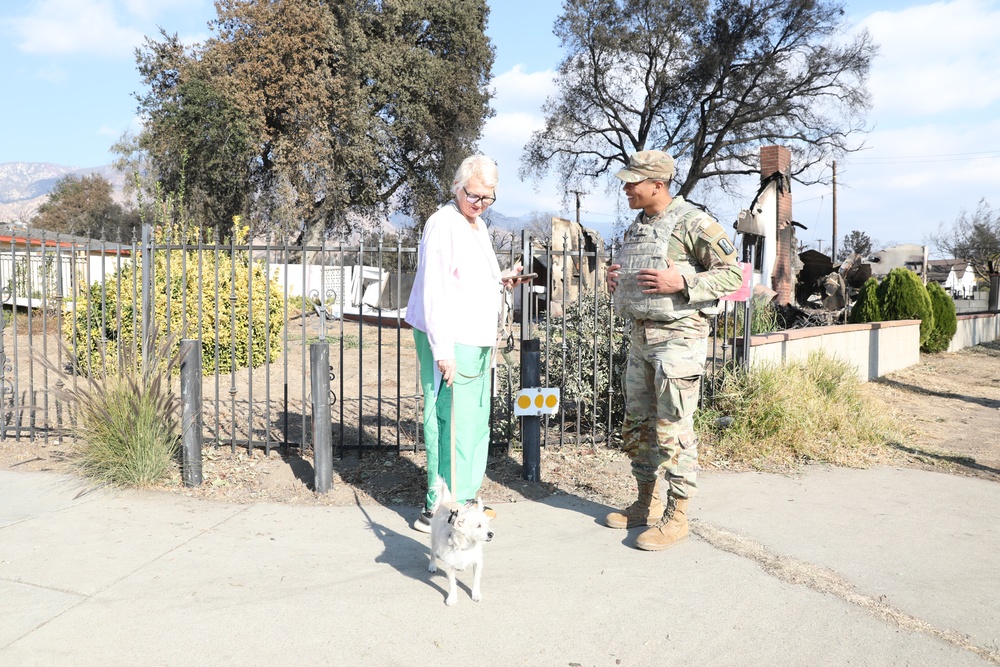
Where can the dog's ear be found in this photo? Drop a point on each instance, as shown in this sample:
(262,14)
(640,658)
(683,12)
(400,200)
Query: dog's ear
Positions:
(479,504)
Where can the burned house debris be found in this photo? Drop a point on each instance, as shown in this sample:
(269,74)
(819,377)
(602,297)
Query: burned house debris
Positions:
(572,259)
(810,288)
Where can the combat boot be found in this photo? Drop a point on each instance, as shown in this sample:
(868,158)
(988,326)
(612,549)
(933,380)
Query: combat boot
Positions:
(645,511)
(670,530)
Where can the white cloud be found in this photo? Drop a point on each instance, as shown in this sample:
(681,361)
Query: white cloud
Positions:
(936,93)
(517,90)
(55,75)
(936,58)
(62,27)
(518,100)
(149,10)
(97,27)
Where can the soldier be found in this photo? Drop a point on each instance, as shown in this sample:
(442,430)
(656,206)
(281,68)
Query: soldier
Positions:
(676,261)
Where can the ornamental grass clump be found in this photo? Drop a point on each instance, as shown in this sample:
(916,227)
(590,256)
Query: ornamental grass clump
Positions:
(782,416)
(125,422)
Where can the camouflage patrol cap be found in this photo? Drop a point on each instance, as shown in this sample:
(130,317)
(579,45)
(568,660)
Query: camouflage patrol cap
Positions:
(648,164)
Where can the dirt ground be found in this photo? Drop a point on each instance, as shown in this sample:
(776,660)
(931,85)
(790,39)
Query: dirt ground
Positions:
(949,404)
(952,401)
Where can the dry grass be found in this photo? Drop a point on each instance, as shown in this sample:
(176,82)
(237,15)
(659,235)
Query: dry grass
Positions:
(783,416)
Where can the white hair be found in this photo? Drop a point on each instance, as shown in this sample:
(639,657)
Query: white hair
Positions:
(472,167)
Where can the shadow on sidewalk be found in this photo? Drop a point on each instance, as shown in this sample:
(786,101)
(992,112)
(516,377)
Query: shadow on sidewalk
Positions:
(964,461)
(914,389)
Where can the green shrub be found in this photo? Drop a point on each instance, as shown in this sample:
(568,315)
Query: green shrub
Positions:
(866,308)
(945,320)
(764,318)
(818,410)
(583,391)
(902,296)
(590,378)
(105,325)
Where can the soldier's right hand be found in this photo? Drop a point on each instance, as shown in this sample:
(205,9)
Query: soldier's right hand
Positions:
(612,277)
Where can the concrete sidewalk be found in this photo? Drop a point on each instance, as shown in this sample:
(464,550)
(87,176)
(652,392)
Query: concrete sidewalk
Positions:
(832,567)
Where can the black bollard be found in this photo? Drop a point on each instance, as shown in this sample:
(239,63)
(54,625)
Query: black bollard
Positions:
(192,427)
(319,361)
(531,427)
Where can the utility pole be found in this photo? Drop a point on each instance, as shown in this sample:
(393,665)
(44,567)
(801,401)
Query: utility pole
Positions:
(833,246)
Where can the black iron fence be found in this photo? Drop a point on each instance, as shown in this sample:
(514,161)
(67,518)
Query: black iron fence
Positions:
(89,307)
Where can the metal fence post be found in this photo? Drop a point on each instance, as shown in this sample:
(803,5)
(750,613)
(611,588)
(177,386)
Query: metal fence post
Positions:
(319,361)
(146,322)
(747,318)
(192,424)
(993,305)
(531,426)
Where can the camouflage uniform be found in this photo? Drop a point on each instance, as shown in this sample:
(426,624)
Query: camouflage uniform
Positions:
(667,354)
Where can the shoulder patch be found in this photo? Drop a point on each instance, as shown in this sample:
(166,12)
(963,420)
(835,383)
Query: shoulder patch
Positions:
(725,246)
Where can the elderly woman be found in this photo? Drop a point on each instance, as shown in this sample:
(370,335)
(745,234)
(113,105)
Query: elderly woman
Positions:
(453,309)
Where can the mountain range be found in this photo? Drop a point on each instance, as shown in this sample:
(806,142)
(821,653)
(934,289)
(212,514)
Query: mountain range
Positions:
(24,186)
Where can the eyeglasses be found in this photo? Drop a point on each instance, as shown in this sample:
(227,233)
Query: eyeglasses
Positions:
(475,199)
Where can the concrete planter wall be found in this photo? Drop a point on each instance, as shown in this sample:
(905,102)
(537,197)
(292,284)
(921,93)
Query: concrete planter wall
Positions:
(873,349)
(975,330)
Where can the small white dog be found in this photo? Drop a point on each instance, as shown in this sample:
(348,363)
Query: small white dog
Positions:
(457,536)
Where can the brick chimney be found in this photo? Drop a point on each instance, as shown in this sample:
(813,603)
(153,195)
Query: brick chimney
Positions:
(785,272)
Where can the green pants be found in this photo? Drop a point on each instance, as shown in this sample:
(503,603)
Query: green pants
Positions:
(471,391)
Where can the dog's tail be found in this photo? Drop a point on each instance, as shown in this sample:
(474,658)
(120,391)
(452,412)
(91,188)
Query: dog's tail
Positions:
(442,494)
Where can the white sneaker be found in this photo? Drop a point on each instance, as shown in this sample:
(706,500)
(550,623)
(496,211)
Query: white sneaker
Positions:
(423,522)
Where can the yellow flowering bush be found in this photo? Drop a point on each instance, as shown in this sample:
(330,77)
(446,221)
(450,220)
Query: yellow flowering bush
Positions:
(217,296)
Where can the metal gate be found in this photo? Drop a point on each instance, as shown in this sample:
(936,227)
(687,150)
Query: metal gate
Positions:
(86,306)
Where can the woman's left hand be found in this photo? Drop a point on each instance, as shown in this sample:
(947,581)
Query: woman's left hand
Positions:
(510,277)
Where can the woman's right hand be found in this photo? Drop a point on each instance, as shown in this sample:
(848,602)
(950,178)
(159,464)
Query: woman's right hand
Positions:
(447,368)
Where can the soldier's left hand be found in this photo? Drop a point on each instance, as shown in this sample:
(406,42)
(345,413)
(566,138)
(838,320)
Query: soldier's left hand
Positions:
(661,281)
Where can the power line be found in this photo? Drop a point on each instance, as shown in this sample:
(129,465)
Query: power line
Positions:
(924,159)
(899,157)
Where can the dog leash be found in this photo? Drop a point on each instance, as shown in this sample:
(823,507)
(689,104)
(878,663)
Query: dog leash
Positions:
(454,386)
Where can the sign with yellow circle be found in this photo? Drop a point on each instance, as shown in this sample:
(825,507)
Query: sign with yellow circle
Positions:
(536,401)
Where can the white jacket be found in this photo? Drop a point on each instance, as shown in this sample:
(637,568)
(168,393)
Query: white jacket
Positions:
(457,289)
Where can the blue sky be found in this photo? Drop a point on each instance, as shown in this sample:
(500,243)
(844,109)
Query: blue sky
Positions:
(68,76)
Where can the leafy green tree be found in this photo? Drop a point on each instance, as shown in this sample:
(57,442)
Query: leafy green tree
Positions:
(855,241)
(945,319)
(85,206)
(973,237)
(709,82)
(319,112)
(197,143)
(902,296)
(866,308)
